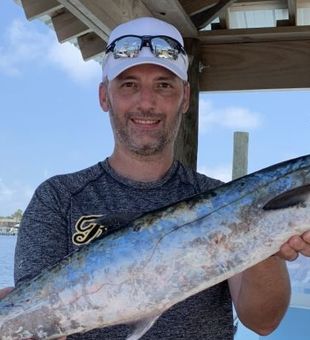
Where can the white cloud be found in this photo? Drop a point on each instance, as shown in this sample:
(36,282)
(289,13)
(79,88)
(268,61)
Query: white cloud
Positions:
(22,46)
(230,117)
(68,58)
(14,196)
(221,172)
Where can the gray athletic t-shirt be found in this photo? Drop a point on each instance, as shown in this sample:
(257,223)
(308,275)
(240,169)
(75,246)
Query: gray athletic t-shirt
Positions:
(64,203)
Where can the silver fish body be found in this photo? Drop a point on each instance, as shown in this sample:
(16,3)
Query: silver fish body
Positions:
(163,257)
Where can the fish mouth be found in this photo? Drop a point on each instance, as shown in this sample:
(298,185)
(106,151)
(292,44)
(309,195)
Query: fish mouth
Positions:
(297,196)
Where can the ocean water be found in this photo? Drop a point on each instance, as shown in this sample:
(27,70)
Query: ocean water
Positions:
(7,248)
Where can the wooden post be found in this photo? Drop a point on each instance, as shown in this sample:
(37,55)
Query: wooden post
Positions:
(240,154)
(186,145)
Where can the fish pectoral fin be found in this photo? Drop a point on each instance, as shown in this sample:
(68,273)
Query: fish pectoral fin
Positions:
(289,198)
(141,327)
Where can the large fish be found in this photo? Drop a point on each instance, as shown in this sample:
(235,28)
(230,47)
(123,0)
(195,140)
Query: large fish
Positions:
(135,274)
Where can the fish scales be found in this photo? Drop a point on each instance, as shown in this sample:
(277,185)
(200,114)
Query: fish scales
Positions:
(164,256)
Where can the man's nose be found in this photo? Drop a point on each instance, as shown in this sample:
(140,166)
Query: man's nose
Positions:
(147,98)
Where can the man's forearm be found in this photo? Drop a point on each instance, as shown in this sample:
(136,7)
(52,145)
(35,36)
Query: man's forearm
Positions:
(261,295)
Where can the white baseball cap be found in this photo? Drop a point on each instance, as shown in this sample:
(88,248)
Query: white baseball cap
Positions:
(145,26)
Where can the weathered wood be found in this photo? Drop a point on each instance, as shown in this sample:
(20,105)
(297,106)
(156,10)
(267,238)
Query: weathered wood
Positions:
(113,13)
(292,11)
(193,7)
(245,66)
(102,16)
(223,23)
(67,26)
(172,12)
(34,8)
(204,18)
(303,4)
(187,142)
(91,45)
(240,154)
(254,5)
(283,23)
(255,35)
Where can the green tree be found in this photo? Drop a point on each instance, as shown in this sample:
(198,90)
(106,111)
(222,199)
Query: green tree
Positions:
(17,215)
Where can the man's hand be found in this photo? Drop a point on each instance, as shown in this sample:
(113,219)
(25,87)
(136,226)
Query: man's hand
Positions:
(294,246)
(5,291)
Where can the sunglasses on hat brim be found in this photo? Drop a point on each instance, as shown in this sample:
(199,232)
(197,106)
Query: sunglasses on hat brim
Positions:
(129,46)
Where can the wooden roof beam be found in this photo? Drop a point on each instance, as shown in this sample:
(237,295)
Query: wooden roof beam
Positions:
(172,12)
(204,18)
(223,23)
(253,35)
(102,16)
(34,8)
(292,11)
(260,65)
(91,45)
(193,7)
(292,14)
(67,26)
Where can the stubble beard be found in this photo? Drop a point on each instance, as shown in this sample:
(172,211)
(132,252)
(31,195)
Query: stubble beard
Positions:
(161,139)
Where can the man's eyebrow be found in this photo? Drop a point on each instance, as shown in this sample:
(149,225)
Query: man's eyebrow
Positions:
(166,78)
(129,77)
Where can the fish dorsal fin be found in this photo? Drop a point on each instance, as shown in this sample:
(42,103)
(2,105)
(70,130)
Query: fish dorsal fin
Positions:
(141,327)
(289,198)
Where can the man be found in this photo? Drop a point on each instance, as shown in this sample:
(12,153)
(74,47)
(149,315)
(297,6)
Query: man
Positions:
(145,91)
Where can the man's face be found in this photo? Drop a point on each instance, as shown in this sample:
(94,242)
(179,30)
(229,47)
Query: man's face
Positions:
(146,104)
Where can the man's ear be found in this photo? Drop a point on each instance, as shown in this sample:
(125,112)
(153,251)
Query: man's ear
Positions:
(103,96)
(187,93)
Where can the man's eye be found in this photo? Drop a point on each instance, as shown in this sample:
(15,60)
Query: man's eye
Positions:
(130,84)
(164,85)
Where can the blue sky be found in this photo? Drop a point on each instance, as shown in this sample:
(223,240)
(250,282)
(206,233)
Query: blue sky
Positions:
(51,121)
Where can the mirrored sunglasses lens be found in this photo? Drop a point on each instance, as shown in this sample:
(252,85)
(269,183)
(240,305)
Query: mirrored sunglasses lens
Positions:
(127,47)
(165,48)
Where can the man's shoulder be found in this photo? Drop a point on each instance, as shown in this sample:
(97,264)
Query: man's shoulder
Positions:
(71,183)
(201,181)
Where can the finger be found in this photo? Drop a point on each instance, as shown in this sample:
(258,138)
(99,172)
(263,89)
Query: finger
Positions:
(287,252)
(297,243)
(306,236)
(5,291)
(300,244)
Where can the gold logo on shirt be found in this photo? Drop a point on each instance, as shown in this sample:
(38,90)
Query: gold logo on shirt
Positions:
(87,229)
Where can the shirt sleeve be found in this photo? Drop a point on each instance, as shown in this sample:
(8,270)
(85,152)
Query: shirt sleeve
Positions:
(43,234)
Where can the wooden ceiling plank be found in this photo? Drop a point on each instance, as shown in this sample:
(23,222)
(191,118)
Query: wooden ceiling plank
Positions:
(113,13)
(172,12)
(34,8)
(67,26)
(102,16)
(224,21)
(78,10)
(292,11)
(252,66)
(91,45)
(204,18)
(252,35)
(193,7)
(254,5)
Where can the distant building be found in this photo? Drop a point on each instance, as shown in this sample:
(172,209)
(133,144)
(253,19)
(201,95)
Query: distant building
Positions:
(9,226)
